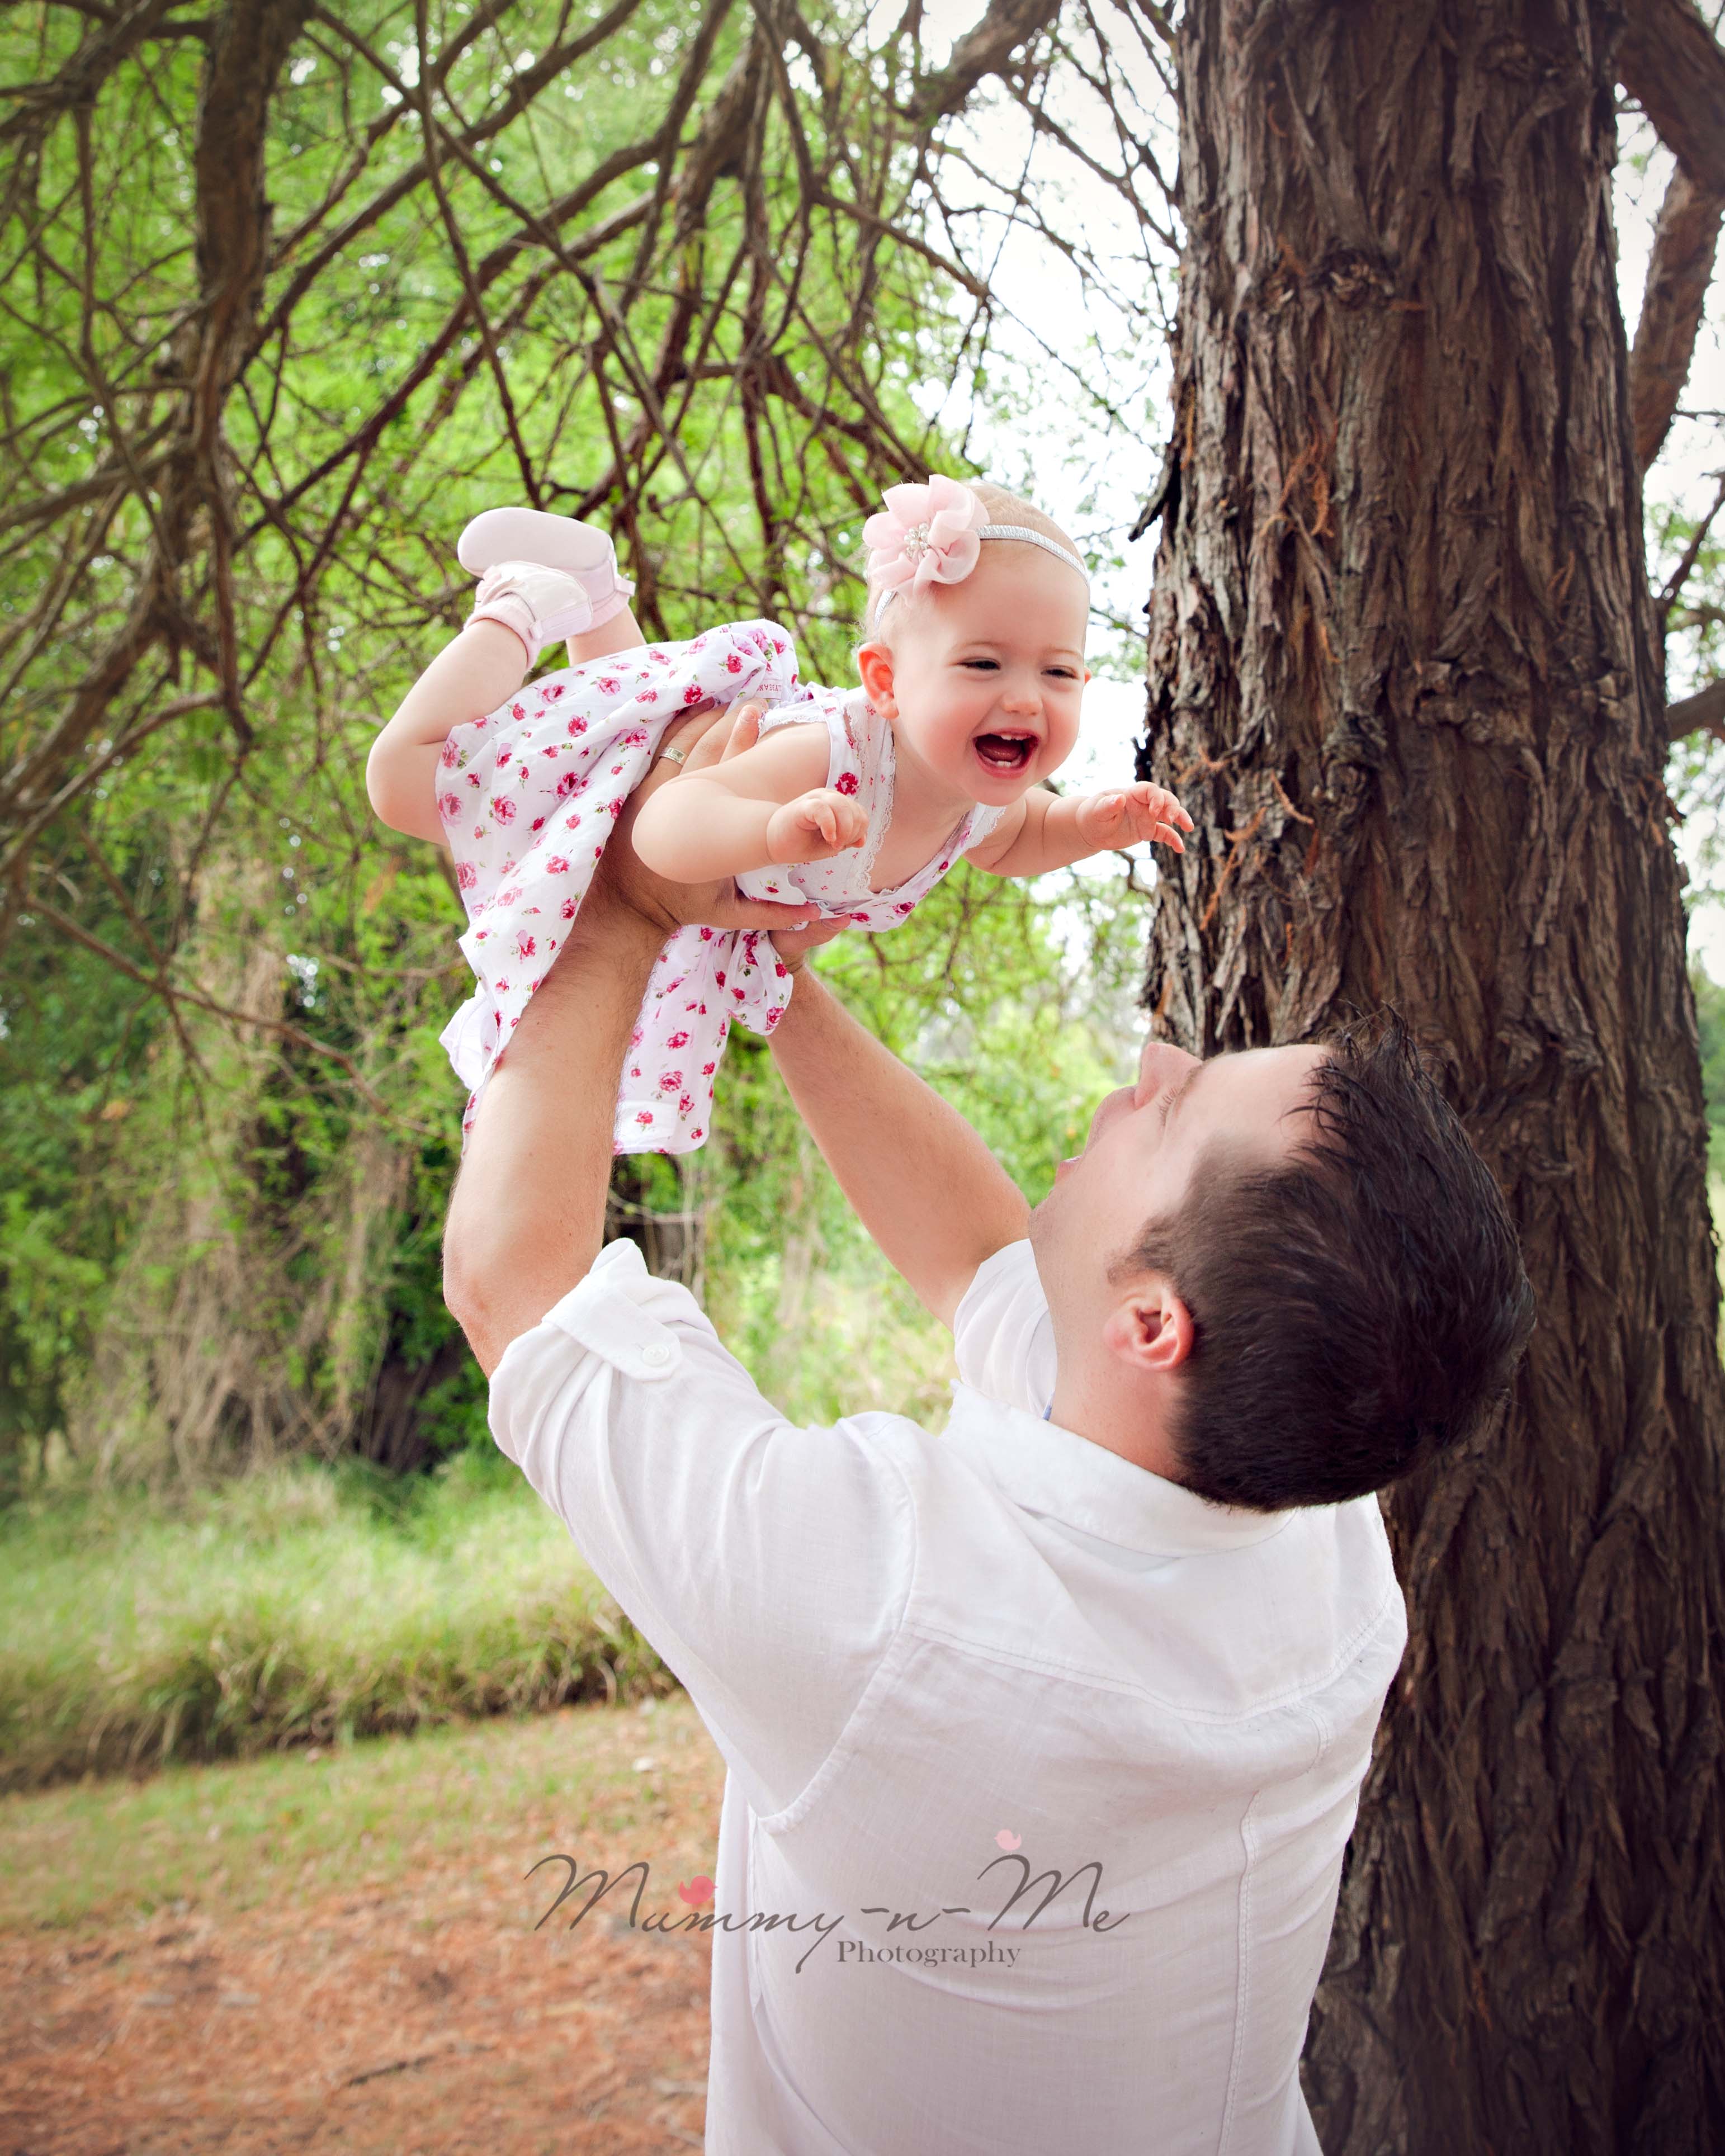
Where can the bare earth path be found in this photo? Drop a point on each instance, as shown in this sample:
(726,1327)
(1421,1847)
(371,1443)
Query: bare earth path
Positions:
(330,1953)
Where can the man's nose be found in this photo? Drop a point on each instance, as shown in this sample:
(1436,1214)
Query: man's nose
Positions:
(1160,1064)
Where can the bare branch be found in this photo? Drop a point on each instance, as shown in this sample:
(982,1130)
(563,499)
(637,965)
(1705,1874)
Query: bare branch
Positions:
(1704,712)
(159,986)
(1691,553)
(1684,244)
(1672,65)
(40,104)
(1007,27)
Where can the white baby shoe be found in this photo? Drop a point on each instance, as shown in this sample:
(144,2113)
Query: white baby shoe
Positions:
(513,538)
(542,606)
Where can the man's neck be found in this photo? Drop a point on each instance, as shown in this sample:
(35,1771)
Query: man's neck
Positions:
(1133,1420)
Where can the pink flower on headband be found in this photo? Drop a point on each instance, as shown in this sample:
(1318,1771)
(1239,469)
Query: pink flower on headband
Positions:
(925,535)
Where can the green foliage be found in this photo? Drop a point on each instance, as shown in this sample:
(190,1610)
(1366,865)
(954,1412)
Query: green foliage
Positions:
(222,1235)
(292,1607)
(1710,1019)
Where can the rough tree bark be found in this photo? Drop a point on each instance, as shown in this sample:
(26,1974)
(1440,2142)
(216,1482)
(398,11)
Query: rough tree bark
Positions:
(1405,672)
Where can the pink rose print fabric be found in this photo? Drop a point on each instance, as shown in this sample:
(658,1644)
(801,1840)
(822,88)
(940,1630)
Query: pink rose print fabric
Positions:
(529,796)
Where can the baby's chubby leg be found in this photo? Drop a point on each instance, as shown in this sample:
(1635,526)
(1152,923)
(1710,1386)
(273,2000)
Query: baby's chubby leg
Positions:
(482,669)
(542,578)
(520,607)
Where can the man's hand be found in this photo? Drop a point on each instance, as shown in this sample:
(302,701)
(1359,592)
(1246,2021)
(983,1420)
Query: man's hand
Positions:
(705,738)
(793,945)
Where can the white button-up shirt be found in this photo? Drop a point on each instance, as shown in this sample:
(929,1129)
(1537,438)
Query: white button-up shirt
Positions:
(943,1669)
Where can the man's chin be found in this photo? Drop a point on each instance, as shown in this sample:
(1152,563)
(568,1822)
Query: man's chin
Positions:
(1040,1229)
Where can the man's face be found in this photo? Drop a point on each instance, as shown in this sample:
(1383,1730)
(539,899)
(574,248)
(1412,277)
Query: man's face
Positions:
(1137,1164)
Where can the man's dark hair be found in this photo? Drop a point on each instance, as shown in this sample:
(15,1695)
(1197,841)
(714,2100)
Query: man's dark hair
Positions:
(1357,1307)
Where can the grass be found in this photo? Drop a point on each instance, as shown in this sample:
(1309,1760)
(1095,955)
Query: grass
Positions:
(490,1797)
(304,1605)
(297,1607)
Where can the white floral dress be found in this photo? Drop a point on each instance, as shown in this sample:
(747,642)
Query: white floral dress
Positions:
(529,796)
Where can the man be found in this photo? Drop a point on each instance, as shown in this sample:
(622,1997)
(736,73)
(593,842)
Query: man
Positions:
(1044,1735)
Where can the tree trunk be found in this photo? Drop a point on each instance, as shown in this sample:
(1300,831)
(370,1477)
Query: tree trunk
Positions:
(1404,672)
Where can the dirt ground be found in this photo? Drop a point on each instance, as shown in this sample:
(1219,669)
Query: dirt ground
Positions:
(419,2014)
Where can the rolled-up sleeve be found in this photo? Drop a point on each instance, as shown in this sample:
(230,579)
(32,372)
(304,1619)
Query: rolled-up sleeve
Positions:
(768,1564)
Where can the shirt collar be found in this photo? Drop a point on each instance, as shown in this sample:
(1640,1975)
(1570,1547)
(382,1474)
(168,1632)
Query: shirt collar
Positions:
(1055,1472)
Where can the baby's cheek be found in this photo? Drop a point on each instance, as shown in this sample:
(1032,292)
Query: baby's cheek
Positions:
(1062,740)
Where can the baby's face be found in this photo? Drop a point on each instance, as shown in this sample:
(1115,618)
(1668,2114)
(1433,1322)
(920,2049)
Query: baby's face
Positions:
(984,678)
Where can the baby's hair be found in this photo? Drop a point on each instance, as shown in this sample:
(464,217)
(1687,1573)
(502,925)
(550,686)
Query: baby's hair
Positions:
(1003,508)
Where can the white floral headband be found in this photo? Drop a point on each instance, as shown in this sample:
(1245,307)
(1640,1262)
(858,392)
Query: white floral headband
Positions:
(933,535)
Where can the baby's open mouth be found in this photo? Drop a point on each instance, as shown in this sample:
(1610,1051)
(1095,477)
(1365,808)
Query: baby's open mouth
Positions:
(1005,752)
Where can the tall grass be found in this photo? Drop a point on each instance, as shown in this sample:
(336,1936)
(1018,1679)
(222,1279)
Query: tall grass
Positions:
(296,1606)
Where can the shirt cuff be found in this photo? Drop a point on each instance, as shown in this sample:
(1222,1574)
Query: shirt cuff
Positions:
(607,1314)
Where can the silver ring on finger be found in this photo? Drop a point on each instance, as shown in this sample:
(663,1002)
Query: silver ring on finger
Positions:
(673,755)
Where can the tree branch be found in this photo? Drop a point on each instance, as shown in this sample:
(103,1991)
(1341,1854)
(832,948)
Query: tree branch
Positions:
(983,51)
(1671,64)
(1684,245)
(158,985)
(40,104)
(1704,712)
(1690,555)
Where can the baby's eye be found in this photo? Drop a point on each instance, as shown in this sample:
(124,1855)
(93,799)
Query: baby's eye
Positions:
(987,665)
(1063,673)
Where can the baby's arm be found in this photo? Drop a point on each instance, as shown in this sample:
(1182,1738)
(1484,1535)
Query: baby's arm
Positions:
(1043,830)
(769,805)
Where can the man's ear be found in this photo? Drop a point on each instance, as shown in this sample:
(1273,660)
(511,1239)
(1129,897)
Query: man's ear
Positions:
(1151,1329)
(873,663)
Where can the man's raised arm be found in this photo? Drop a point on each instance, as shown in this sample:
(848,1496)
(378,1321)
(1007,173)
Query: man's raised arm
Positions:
(921,1182)
(528,1213)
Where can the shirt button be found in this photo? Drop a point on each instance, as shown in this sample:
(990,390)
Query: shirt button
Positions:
(657,1356)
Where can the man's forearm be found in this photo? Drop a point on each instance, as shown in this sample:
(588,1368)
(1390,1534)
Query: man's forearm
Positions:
(922,1182)
(528,1214)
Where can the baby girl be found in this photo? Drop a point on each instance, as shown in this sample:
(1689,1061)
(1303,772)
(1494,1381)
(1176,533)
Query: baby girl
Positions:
(858,800)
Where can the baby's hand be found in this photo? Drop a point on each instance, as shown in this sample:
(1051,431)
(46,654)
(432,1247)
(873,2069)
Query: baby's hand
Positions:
(1123,816)
(814,826)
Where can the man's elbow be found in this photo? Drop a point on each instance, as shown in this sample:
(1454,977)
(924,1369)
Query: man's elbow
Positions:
(467,1300)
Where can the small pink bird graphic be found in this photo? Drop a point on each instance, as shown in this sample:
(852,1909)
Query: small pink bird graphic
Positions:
(696,1891)
(1007,1839)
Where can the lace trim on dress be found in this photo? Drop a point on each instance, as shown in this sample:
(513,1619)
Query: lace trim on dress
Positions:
(879,739)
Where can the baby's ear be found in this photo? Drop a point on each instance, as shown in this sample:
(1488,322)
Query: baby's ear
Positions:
(874,664)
